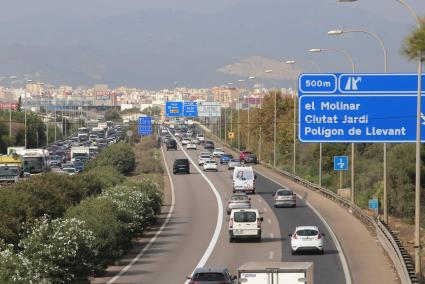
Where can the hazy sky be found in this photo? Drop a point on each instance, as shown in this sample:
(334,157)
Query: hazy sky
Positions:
(188,40)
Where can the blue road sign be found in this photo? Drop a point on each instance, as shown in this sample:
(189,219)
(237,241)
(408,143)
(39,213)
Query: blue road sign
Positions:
(379,83)
(173,109)
(340,163)
(373,204)
(190,109)
(145,126)
(358,118)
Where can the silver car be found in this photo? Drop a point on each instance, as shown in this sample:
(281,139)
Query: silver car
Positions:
(238,201)
(284,197)
(234,163)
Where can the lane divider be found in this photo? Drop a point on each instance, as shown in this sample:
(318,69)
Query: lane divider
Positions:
(155,237)
(220,214)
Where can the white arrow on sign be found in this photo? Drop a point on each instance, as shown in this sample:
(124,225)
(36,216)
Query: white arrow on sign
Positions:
(423,118)
(341,164)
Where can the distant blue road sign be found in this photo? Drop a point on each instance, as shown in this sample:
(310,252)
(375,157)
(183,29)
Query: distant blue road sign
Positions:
(340,163)
(374,204)
(358,108)
(190,109)
(173,109)
(145,126)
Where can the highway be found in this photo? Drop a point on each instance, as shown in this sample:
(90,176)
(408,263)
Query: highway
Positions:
(188,240)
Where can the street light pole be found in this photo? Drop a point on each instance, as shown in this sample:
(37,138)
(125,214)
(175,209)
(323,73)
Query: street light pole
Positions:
(353,148)
(231,109)
(294,158)
(239,111)
(249,108)
(381,43)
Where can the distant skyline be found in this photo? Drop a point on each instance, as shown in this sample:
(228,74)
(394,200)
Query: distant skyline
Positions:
(152,44)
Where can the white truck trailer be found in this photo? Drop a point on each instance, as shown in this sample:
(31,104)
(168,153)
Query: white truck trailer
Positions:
(276,273)
(80,153)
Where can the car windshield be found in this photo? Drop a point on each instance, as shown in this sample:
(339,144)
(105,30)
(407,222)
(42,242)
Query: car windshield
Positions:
(235,161)
(245,217)
(218,150)
(205,156)
(244,175)
(307,233)
(239,197)
(284,193)
(211,162)
(209,276)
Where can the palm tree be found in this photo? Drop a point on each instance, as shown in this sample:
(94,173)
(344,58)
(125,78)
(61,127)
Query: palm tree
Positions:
(414,44)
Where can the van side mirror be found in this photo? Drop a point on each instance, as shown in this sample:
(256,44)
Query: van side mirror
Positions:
(273,194)
(261,219)
(289,235)
(255,176)
(189,277)
(323,234)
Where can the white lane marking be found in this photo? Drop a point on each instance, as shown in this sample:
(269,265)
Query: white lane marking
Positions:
(219,225)
(155,237)
(271,255)
(269,221)
(334,238)
(260,199)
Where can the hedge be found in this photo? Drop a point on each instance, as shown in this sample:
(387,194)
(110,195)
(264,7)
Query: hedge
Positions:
(120,156)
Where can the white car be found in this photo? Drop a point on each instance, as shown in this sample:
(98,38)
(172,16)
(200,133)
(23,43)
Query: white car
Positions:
(200,138)
(306,238)
(210,165)
(218,152)
(195,141)
(204,156)
(245,223)
(191,146)
(185,141)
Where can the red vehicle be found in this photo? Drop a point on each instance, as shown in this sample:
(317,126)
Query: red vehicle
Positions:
(243,155)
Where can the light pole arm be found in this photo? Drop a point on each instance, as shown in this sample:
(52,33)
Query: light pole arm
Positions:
(407,6)
(347,54)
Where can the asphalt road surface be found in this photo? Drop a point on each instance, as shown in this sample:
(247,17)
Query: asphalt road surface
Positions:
(188,239)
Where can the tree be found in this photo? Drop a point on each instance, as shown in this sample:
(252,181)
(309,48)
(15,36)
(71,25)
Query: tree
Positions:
(113,115)
(414,44)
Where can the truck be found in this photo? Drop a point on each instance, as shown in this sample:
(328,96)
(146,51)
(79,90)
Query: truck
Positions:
(35,161)
(16,150)
(269,272)
(80,153)
(10,168)
(83,134)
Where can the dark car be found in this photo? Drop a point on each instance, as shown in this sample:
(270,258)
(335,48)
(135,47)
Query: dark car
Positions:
(209,145)
(250,158)
(181,166)
(79,166)
(171,144)
(216,275)
(224,159)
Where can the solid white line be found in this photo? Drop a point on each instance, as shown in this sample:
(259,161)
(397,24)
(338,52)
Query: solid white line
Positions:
(260,199)
(269,221)
(155,237)
(271,255)
(219,224)
(334,238)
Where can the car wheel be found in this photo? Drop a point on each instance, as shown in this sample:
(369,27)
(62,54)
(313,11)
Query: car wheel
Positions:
(275,206)
(321,252)
(294,206)
(259,239)
(293,252)
(230,240)
(188,172)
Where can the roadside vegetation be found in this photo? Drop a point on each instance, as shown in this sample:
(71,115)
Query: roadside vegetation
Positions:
(64,229)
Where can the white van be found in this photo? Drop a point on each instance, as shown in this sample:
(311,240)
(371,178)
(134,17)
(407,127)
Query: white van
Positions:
(244,180)
(245,223)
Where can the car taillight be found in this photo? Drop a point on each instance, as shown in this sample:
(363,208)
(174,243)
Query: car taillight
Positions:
(294,236)
(231,223)
(319,236)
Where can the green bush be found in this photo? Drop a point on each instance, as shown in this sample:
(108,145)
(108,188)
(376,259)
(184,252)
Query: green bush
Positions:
(120,156)
(15,268)
(95,180)
(101,215)
(60,251)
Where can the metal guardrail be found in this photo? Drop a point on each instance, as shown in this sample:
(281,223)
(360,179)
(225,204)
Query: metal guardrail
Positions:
(395,250)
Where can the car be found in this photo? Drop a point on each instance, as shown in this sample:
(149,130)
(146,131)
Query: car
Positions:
(243,155)
(209,145)
(69,170)
(191,146)
(238,201)
(79,166)
(185,141)
(218,152)
(250,158)
(203,157)
(284,197)
(171,144)
(234,163)
(210,165)
(211,275)
(224,159)
(181,166)
(306,238)
(245,224)
(200,138)
(166,138)
(195,141)
(56,161)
